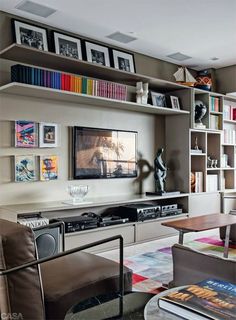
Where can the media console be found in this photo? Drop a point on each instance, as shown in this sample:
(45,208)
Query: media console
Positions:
(132,231)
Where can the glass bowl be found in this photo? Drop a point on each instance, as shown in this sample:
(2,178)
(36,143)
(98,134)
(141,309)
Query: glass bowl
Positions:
(77,192)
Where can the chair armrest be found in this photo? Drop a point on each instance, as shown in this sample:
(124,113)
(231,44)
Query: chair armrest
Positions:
(52,225)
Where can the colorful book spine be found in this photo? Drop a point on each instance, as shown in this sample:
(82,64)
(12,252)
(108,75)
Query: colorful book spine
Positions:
(68,82)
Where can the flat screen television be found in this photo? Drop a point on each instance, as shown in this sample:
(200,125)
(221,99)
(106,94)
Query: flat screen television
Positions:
(104,153)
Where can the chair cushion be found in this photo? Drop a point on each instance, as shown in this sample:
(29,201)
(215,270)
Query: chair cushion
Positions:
(20,292)
(74,278)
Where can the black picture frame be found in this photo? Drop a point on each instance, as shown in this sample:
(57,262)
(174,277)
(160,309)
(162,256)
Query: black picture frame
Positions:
(103,153)
(72,45)
(97,53)
(158,99)
(30,35)
(123,61)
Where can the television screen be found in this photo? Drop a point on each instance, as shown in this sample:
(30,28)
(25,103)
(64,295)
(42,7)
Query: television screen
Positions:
(103,153)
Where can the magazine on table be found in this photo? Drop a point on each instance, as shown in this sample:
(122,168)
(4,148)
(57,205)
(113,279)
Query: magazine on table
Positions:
(209,299)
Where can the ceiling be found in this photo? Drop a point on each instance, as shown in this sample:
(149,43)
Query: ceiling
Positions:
(201,29)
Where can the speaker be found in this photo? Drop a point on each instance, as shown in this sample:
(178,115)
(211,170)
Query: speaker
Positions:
(47,241)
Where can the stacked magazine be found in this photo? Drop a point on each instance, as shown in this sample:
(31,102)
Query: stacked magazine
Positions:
(33,221)
(209,299)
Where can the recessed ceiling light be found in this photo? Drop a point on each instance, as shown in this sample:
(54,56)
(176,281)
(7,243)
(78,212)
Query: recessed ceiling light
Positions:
(35,8)
(121,37)
(179,56)
(214,58)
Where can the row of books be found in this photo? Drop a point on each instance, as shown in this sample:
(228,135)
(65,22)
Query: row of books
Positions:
(229,136)
(211,183)
(229,112)
(33,221)
(209,299)
(214,122)
(68,82)
(215,104)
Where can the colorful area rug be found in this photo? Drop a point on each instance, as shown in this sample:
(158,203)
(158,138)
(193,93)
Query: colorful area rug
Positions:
(152,271)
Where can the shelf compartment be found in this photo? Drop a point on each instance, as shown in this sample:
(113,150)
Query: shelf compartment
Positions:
(22,89)
(228,179)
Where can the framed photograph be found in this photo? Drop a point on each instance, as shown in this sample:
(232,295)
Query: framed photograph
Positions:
(48,168)
(25,170)
(174,102)
(31,36)
(48,135)
(123,61)
(158,99)
(67,46)
(97,54)
(26,134)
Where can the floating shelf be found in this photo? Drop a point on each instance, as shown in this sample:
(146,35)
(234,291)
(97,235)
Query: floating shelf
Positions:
(22,89)
(46,59)
(230,121)
(198,154)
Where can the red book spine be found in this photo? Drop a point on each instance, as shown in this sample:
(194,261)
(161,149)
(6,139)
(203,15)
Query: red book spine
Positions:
(63,81)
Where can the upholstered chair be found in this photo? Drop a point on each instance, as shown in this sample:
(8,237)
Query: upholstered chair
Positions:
(46,288)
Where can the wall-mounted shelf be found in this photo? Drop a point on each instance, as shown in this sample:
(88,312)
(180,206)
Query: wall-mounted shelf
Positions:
(46,59)
(22,89)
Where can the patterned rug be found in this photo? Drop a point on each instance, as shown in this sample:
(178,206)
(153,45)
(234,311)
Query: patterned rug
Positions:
(152,271)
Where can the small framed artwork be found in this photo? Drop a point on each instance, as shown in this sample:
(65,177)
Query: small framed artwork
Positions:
(97,54)
(67,46)
(158,99)
(123,61)
(48,168)
(48,135)
(30,35)
(26,134)
(174,102)
(25,170)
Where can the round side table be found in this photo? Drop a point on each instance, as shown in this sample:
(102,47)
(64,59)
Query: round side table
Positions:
(153,312)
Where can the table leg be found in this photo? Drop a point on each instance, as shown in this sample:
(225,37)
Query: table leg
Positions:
(181,237)
(226,247)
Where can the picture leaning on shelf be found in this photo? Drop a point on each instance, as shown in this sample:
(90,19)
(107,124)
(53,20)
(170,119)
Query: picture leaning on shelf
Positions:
(158,99)
(30,35)
(67,46)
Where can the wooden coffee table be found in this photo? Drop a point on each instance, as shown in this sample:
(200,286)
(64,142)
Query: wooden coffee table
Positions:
(203,223)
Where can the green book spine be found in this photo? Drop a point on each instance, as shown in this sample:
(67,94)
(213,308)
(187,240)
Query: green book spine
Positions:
(84,85)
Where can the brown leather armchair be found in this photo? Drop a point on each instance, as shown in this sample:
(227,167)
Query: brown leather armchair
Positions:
(191,266)
(46,288)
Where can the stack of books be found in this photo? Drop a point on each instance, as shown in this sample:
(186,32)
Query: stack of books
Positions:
(68,82)
(229,112)
(211,183)
(198,181)
(33,220)
(229,136)
(215,104)
(209,299)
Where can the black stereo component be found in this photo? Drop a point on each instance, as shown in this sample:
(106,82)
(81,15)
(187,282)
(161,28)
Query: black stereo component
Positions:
(79,223)
(167,213)
(111,220)
(139,211)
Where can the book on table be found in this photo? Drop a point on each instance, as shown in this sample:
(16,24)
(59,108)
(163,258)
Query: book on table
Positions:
(209,299)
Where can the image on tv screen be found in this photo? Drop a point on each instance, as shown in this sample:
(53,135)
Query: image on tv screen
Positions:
(104,153)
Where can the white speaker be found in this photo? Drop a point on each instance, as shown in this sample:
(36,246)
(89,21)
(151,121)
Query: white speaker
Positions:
(47,241)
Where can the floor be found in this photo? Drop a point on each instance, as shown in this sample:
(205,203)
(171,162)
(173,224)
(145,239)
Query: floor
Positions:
(156,244)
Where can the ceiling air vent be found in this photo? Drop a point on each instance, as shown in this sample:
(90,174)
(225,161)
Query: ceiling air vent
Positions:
(178,56)
(121,37)
(35,8)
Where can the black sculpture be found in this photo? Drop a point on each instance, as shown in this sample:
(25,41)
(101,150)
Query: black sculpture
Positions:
(160,171)
(200,111)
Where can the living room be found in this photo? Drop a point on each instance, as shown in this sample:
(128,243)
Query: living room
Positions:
(83,84)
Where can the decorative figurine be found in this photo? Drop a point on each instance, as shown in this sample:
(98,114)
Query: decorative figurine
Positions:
(200,111)
(139,92)
(160,171)
(145,93)
(196,144)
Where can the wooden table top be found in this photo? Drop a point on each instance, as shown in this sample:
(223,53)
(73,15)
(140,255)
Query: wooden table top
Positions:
(202,223)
